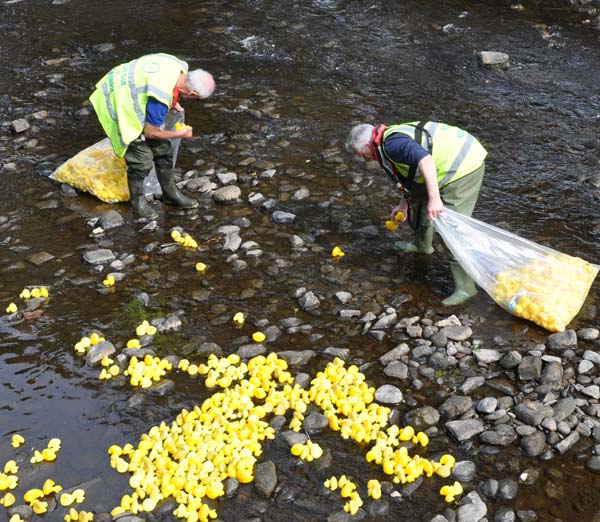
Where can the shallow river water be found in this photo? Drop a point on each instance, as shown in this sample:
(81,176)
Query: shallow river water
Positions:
(292,77)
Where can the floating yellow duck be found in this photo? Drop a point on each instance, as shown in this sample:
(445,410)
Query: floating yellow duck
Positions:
(258,337)
(11,308)
(239,319)
(201,267)
(109,281)
(337,252)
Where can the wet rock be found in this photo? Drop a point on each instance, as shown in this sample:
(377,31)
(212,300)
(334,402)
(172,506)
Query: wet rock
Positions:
(300,194)
(455,406)
(593,464)
(24,511)
(267,174)
(501,435)
(256,199)
(331,353)
(504,514)
(162,387)
(265,479)
(530,368)
(532,413)
(510,360)
(227,178)
(231,487)
(315,423)
(388,394)
(534,444)
(283,218)
(247,351)
(487,405)
(40,258)
(99,257)
(507,489)
(126,517)
(584,366)
(463,471)
(297,358)
(171,323)
(111,219)
(292,437)
(564,408)
(228,194)
(527,516)
(342,516)
(232,242)
(489,488)
(471,384)
(588,334)
(396,370)
(552,375)
(567,443)
(296,241)
(309,301)
(487,355)
(472,508)
(19,126)
(98,351)
(343,297)
(592,391)
(462,430)
(451,320)
(593,357)
(422,418)
(562,340)
(395,354)
(494,59)
(348,314)
(457,333)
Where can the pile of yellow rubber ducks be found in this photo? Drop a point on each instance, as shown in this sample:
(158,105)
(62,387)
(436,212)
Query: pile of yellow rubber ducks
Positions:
(96,170)
(308,451)
(26,294)
(549,291)
(348,491)
(85,343)
(146,371)
(189,459)
(184,239)
(48,454)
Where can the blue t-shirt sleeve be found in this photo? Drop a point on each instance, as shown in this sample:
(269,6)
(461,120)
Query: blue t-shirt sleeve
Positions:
(403,149)
(156,112)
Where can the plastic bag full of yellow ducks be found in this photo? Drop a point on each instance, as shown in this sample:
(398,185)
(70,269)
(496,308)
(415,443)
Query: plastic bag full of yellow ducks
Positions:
(527,279)
(98,171)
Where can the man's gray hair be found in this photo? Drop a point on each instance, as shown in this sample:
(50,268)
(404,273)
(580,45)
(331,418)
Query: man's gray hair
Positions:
(201,82)
(359,137)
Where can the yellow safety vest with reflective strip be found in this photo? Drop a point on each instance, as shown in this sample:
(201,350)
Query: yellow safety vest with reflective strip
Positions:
(455,152)
(121,96)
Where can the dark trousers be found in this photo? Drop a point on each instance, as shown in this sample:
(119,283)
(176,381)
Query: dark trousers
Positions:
(141,153)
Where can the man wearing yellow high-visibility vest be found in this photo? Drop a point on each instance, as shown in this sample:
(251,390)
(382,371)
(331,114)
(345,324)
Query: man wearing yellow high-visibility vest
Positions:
(433,164)
(132,102)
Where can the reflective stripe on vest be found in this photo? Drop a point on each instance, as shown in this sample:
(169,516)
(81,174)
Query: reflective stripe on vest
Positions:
(121,97)
(455,152)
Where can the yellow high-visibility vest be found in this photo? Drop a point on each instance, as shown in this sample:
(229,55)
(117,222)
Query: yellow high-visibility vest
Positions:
(455,152)
(121,96)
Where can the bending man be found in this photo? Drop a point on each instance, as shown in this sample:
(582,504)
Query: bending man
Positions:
(433,164)
(132,102)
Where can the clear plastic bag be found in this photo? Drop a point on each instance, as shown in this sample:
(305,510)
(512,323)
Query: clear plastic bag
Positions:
(98,171)
(528,280)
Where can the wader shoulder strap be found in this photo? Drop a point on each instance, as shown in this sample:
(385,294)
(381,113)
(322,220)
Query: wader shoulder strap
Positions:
(419,131)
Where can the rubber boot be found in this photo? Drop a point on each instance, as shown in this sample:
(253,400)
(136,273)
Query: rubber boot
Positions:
(138,199)
(464,286)
(171,194)
(421,244)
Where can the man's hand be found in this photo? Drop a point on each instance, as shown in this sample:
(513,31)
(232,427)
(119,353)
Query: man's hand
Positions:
(185,132)
(178,107)
(434,208)
(400,213)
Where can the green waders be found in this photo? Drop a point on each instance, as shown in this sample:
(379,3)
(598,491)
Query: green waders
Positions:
(461,196)
(139,157)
